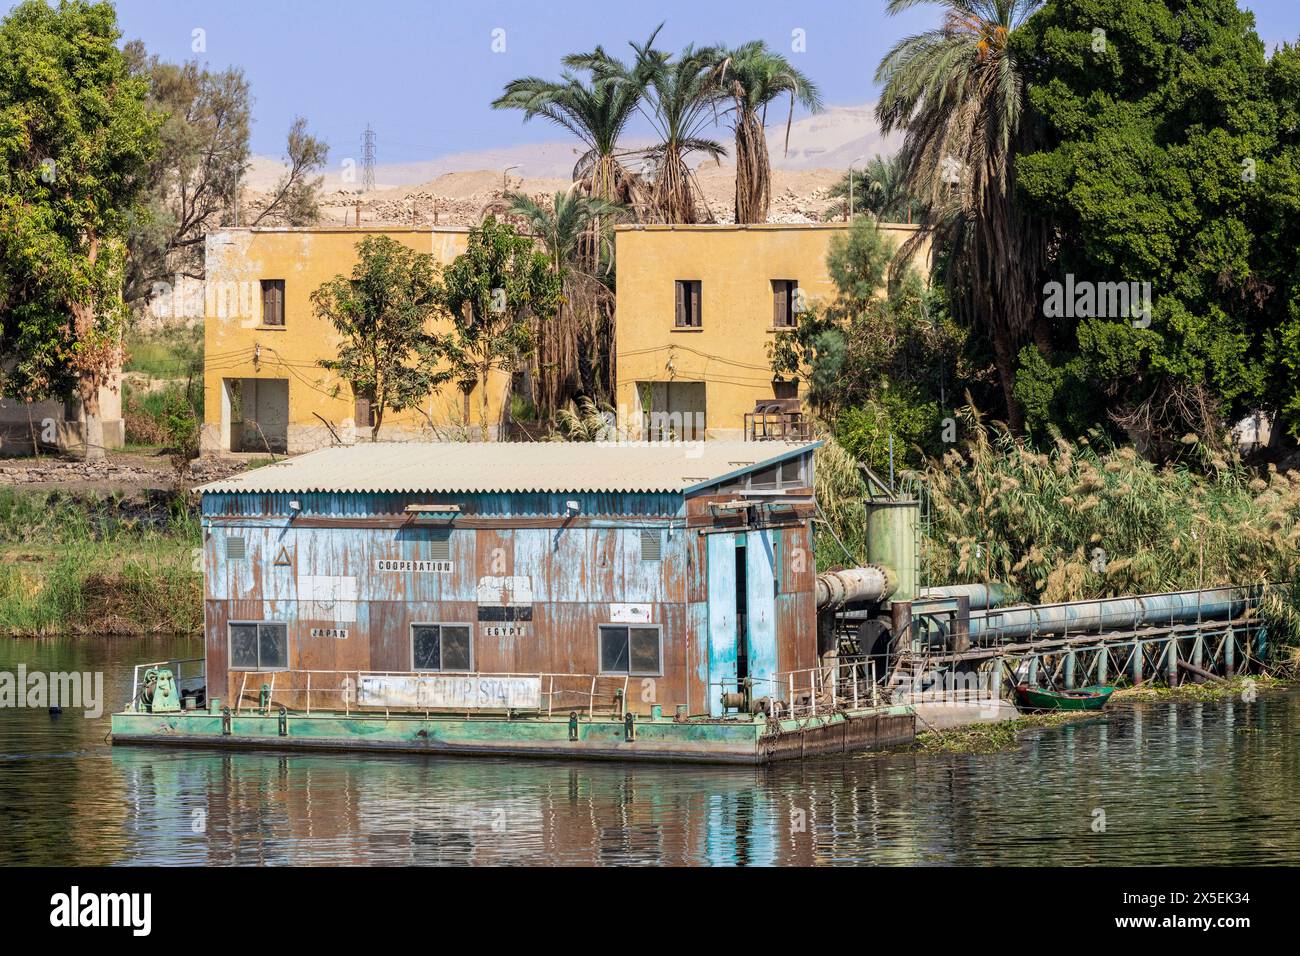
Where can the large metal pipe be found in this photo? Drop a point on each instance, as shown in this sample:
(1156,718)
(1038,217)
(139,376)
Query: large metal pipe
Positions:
(869,584)
(1114,614)
(981,596)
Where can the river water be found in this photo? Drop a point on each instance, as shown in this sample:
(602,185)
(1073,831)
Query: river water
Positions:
(1150,783)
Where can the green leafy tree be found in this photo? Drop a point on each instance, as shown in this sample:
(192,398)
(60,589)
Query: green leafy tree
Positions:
(1277,247)
(497,292)
(880,369)
(195,174)
(194,181)
(752,76)
(76,140)
(383,313)
(1156,141)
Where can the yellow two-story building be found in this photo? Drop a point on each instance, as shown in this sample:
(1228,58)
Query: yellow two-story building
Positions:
(697,309)
(264,388)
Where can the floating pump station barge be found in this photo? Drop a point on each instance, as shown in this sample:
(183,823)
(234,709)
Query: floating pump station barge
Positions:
(633,601)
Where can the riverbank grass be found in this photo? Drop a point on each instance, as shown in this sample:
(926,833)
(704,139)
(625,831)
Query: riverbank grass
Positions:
(89,564)
(1242,687)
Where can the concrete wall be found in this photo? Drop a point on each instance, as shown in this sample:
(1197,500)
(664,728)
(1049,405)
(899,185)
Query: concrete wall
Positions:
(58,426)
(735,266)
(238,345)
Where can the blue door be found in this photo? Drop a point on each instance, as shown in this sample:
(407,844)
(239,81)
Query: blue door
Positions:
(722,619)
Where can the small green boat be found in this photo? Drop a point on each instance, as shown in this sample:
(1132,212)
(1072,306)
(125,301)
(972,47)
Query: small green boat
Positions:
(1040,698)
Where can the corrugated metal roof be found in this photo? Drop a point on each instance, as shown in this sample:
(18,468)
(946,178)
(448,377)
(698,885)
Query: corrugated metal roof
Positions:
(465,467)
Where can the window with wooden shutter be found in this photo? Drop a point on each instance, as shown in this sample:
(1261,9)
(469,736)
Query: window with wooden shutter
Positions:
(687,308)
(363,413)
(273,302)
(784,294)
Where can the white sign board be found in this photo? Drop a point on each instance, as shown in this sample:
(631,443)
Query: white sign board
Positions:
(418,567)
(505,590)
(504,630)
(451,692)
(629,613)
(327,597)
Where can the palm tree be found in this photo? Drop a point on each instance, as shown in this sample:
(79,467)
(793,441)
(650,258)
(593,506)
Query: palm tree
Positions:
(579,337)
(879,188)
(753,76)
(958,95)
(597,113)
(679,97)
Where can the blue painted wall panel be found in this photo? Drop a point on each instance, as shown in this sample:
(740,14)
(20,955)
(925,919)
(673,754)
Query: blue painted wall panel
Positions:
(722,618)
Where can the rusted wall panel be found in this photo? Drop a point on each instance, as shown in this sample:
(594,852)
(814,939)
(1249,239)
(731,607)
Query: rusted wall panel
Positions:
(327,578)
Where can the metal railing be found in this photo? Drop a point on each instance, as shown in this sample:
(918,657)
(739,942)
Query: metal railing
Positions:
(777,426)
(305,690)
(809,692)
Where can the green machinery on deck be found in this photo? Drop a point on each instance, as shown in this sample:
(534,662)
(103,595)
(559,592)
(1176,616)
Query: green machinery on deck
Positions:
(158,693)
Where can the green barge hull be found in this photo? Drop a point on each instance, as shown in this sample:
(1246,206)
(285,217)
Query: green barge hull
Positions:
(740,740)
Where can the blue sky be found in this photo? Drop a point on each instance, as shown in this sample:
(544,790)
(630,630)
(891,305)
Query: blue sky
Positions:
(423,71)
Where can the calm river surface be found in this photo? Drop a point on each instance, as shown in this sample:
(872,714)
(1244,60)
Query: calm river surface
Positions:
(1177,783)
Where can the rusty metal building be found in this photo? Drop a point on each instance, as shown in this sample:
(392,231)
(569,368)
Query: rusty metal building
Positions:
(632,574)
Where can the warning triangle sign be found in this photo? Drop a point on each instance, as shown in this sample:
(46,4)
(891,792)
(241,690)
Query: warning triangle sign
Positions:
(282,559)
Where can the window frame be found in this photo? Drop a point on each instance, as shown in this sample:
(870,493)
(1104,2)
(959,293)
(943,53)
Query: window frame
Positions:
(469,628)
(789,288)
(279,286)
(600,649)
(357,403)
(686,292)
(230,656)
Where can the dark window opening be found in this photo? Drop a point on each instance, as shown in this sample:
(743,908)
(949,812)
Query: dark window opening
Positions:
(742,612)
(629,650)
(273,302)
(441,647)
(785,297)
(688,304)
(259,646)
(782,389)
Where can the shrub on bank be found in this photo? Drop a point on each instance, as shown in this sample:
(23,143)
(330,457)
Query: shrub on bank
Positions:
(96,564)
